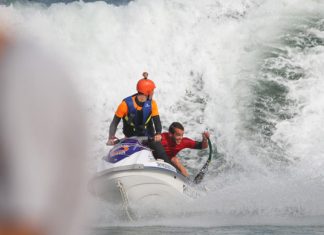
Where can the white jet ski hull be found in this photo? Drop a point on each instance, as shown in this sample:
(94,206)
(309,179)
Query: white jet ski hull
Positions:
(139,186)
(130,175)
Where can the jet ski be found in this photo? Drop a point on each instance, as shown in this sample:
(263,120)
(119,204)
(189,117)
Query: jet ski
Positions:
(130,175)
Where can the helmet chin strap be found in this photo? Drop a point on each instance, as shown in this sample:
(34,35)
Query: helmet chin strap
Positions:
(149,97)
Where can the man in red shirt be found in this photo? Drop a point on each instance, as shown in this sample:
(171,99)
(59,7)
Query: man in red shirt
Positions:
(173,142)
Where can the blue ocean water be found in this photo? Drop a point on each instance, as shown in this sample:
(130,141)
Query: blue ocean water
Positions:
(228,230)
(49,2)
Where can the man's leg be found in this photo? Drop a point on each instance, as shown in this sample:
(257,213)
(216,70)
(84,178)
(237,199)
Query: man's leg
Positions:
(158,151)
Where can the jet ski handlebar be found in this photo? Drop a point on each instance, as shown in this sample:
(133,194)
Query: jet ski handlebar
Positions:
(141,139)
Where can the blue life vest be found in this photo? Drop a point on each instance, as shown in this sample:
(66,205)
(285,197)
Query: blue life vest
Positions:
(132,118)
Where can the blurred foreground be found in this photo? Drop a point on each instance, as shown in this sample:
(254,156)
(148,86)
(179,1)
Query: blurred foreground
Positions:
(42,142)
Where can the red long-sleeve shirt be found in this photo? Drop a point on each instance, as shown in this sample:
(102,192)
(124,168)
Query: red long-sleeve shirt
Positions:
(171,148)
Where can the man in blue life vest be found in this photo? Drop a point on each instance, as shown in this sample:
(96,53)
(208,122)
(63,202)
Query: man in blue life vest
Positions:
(140,117)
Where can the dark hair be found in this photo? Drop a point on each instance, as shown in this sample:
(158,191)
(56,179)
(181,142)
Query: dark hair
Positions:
(175,125)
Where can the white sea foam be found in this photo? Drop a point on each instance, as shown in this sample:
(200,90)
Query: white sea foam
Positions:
(205,58)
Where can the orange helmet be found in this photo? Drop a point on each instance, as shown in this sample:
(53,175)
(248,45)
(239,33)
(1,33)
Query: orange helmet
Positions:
(145,85)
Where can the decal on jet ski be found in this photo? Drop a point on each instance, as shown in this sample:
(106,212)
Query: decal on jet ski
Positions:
(121,152)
